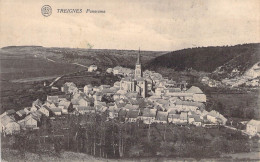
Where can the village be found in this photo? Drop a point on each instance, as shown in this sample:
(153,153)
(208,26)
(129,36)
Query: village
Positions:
(140,96)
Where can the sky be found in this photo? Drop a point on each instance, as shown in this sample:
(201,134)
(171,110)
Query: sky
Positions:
(129,24)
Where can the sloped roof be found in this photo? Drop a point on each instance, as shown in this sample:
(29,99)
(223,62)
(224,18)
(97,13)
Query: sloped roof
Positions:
(132,95)
(132,113)
(254,122)
(33,116)
(37,102)
(55,110)
(172,111)
(194,89)
(6,119)
(122,112)
(109,90)
(119,104)
(21,112)
(140,79)
(190,103)
(53,98)
(101,103)
(131,107)
(174,90)
(66,104)
(98,94)
(162,101)
(174,116)
(9,112)
(149,112)
(184,115)
(162,116)
(197,118)
(82,108)
(117,68)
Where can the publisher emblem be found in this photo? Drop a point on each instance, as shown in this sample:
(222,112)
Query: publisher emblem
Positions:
(46,10)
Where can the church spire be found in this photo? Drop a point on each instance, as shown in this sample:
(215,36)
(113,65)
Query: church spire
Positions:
(138,57)
(138,67)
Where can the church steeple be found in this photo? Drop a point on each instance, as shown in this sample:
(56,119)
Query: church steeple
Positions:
(138,58)
(138,67)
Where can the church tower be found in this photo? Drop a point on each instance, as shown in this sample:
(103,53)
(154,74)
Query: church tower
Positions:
(138,67)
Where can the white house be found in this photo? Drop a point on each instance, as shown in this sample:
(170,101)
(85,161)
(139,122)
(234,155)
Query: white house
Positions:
(44,110)
(148,116)
(253,127)
(92,68)
(88,89)
(8,125)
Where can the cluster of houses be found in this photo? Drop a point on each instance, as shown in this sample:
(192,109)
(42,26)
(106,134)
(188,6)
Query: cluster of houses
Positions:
(139,97)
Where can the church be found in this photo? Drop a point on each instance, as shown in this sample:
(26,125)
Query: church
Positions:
(137,83)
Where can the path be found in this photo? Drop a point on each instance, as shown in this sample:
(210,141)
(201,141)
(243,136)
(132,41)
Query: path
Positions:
(50,60)
(80,65)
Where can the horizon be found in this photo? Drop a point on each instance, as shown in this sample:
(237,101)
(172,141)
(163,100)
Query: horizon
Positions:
(151,25)
(131,49)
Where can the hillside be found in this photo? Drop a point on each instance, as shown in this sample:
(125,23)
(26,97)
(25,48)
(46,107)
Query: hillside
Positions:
(102,57)
(220,60)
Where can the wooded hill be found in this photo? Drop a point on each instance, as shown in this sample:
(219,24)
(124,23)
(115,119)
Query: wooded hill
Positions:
(208,59)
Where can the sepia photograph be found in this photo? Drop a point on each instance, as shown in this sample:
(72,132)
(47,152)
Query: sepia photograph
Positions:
(129,80)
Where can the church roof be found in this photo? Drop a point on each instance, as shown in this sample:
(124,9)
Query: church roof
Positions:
(194,89)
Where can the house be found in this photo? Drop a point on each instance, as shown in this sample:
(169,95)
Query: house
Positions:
(129,107)
(21,113)
(148,115)
(27,110)
(66,106)
(53,99)
(132,95)
(35,108)
(122,115)
(116,70)
(45,110)
(83,109)
(253,127)
(97,96)
(37,102)
(68,87)
(198,95)
(88,89)
(216,118)
(174,118)
(113,112)
(8,125)
(56,111)
(10,112)
(159,91)
(132,116)
(92,68)
(81,102)
(29,121)
(109,70)
(161,117)
(184,117)
(195,120)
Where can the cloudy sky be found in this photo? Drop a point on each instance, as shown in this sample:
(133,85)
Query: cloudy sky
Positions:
(150,24)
